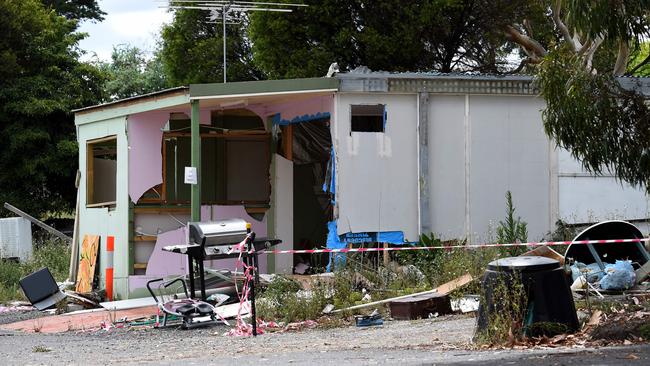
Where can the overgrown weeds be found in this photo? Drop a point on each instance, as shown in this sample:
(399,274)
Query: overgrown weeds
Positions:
(51,253)
(504,310)
(283,300)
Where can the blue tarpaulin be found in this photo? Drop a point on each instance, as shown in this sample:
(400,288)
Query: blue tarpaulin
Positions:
(335,241)
(277,118)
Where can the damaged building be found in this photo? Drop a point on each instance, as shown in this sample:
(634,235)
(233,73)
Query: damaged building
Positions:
(361,157)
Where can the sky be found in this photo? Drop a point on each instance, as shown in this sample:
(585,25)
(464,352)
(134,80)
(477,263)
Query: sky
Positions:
(134,22)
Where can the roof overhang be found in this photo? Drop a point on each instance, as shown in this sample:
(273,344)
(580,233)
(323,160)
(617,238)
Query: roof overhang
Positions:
(248,89)
(163,99)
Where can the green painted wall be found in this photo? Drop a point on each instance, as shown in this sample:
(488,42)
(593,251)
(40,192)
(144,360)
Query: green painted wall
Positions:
(107,221)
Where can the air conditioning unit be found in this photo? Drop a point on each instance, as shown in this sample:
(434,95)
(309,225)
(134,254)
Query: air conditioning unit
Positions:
(15,238)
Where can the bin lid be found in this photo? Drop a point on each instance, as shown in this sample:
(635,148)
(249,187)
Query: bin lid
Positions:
(524,264)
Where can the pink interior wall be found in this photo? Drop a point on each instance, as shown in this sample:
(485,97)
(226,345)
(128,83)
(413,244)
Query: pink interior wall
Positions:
(144,132)
(163,264)
(145,158)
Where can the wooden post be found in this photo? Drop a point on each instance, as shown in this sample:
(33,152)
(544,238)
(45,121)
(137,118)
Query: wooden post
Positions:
(386,256)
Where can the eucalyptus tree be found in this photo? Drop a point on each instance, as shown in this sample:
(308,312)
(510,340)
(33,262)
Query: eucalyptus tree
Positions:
(604,121)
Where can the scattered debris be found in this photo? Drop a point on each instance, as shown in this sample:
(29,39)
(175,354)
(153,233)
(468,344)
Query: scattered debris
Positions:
(194,313)
(595,318)
(618,276)
(41,290)
(15,308)
(78,321)
(466,304)
(591,272)
(643,272)
(37,222)
(301,268)
(544,251)
(373,319)
(443,289)
(419,307)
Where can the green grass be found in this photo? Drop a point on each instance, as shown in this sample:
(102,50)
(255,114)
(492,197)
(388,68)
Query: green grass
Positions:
(52,254)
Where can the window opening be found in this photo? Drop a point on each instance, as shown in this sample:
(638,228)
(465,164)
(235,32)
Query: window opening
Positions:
(368,118)
(101,172)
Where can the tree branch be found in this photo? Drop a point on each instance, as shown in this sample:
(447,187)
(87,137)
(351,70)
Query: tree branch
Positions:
(589,55)
(533,49)
(563,28)
(622,58)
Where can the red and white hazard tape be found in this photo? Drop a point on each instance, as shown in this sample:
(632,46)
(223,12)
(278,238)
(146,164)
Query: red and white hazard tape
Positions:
(460,246)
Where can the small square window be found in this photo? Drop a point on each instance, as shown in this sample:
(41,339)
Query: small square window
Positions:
(101,172)
(368,118)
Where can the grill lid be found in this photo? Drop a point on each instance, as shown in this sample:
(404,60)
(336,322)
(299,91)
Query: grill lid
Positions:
(230,231)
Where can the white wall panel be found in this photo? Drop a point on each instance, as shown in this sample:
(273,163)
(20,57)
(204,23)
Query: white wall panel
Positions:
(446,165)
(509,151)
(377,172)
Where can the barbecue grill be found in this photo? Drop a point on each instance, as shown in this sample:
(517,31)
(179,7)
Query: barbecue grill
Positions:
(218,240)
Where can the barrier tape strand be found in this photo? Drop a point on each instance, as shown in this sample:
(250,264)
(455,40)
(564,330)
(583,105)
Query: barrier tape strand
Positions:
(460,246)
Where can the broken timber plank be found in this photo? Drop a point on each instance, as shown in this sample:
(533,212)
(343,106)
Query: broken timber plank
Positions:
(442,289)
(547,252)
(642,273)
(38,222)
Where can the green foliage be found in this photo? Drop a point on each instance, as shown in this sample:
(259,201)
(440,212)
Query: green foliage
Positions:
(76,9)
(424,260)
(640,62)
(129,73)
(626,20)
(52,254)
(390,35)
(281,301)
(588,112)
(603,125)
(41,80)
(192,50)
(512,230)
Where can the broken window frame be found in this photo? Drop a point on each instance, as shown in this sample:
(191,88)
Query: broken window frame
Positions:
(230,135)
(367,126)
(90,173)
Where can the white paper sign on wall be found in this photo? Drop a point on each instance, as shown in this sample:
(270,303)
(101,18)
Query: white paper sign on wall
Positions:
(190,175)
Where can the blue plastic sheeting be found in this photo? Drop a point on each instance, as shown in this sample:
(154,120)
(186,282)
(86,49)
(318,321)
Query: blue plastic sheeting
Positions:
(335,241)
(619,276)
(332,187)
(393,237)
(277,119)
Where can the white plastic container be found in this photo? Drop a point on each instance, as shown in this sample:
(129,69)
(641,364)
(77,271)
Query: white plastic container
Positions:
(16,238)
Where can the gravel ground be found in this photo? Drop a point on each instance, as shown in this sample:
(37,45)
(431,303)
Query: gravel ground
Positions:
(443,340)
(16,316)
(147,345)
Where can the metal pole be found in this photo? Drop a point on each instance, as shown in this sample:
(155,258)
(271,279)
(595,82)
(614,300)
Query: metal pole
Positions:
(223,13)
(196,160)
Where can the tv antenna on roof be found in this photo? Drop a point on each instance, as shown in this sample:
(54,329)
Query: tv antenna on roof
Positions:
(230,12)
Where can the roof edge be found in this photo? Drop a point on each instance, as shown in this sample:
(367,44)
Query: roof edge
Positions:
(118,102)
(198,91)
